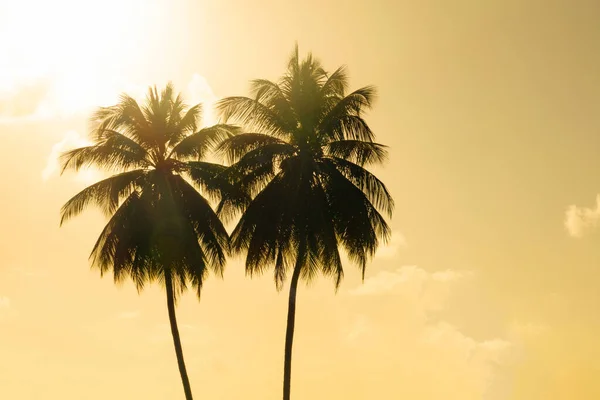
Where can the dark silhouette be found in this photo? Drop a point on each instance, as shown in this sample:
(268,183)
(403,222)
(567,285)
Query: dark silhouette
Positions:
(160,228)
(306,173)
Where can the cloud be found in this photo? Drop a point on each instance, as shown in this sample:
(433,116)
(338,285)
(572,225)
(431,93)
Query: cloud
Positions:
(201,92)
(4,302)
(45,96)
(48,98)
(390,249)
(23,101)
(128,315)
(528,330)
(30,272)
(419,344)
(582,220)
(71,140)
(407,279)
(7,311)
(359,328)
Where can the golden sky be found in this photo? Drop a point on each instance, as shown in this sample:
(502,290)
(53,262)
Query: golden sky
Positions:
(489,289)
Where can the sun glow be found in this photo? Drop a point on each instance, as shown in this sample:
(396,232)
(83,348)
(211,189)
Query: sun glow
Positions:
(80,51)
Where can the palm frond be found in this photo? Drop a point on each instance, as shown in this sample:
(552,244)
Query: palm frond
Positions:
(236,147)
(336,84)
(210,231)
(125,243)
(369,184)
(271,95)
(198,144)
(324,231)
(257,166)
(126,117)
(254,115)
(209,176)
(106,194)
(260,229)
(359,225)
(182,126)
(357,151)
(113,152)
(347,127)
(341,118)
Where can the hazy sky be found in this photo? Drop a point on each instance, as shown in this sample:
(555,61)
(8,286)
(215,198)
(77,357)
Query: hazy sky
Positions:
(489,289)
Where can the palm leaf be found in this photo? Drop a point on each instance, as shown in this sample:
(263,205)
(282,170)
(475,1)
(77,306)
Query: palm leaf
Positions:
(254,115)
(113,152)
(336,83)
(106,194)
(197,144)
(235,147)
(369,184)
(357,151)
(181,127)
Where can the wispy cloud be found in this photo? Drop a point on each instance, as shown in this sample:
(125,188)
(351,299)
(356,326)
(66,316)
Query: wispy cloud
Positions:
(358,329)
(30,272)
(7,311)
(4,302)
(390,249)
(420,343)
(71,140)
(128,315)
(580,221)
(23,101)
(406,278)
(200,91)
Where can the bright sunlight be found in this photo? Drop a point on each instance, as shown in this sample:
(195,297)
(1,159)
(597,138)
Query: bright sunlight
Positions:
(78,50)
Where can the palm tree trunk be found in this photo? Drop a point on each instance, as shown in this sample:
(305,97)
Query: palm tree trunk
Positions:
(176,340)
(289,333)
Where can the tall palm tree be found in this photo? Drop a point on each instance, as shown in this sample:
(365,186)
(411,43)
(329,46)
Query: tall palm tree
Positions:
(304,168)
(161,228)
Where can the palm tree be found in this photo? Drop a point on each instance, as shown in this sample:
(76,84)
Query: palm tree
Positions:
(304,169)
(160,228)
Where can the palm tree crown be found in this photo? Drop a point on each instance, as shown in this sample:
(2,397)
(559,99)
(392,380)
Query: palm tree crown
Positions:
(305,171)
(158,222)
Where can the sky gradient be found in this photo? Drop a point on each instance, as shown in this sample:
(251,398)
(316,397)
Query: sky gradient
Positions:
(489,288)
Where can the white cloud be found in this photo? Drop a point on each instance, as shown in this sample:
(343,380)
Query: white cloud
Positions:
(129,315)
(448,336)
(30,272)
(582,220)
(7,311)
(420,344)
(200,92)
(390,249)
(71,140)
(450,275)
(407,279)
(43,96)
(358,329)
(4,302)
(529,330)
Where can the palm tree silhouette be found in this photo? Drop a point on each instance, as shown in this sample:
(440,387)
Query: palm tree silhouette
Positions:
(305,170)
(160,228)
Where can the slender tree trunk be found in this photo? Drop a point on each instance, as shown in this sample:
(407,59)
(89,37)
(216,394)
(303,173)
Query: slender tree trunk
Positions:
(289,333)
(176,340)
